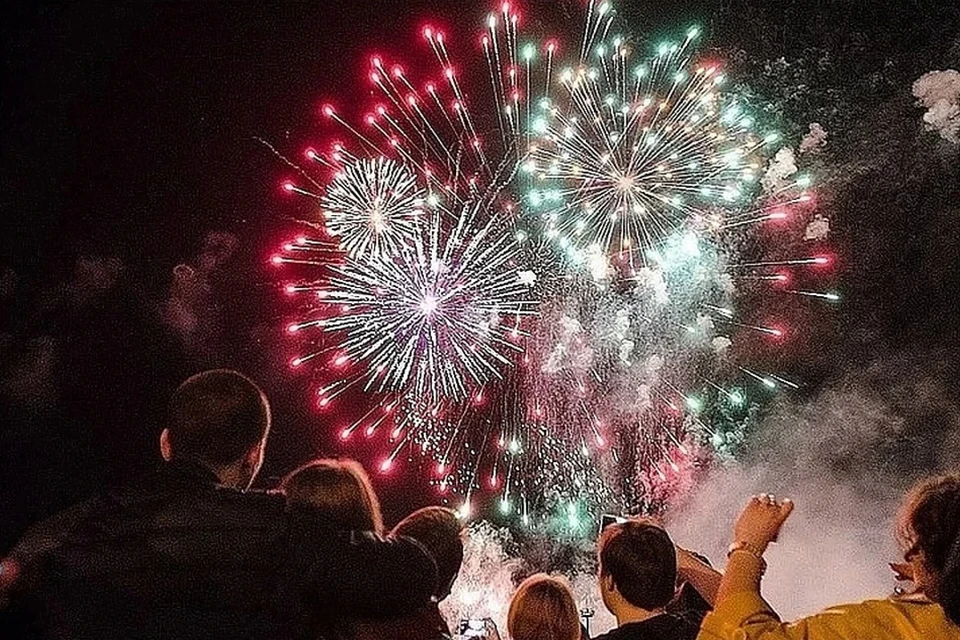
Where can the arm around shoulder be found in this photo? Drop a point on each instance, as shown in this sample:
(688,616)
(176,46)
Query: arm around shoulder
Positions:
(361,574)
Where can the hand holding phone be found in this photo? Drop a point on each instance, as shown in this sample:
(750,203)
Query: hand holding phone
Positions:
(479,629)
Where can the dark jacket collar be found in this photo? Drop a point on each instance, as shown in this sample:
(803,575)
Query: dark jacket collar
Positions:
(178,476)
(189,470)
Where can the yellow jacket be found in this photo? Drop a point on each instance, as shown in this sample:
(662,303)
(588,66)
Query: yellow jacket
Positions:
(746,616)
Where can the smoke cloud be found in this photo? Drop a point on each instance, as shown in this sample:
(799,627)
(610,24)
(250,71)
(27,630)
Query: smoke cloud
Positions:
(485,583)
(491,572)
(939,92)
(28,382)
(846,457)
(779,171)
(8,282)
(191,309)
(815,139)
(28,362)
(817,229)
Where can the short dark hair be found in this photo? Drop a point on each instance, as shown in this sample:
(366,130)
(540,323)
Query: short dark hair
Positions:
(217,417)
(641,559)
(930,519)
(441,532)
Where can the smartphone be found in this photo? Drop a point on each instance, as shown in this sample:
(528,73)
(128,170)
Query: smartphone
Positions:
(608,519)
(475,627)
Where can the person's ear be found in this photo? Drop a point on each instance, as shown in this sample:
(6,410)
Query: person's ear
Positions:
(608,583)
(166,450)
(253,461)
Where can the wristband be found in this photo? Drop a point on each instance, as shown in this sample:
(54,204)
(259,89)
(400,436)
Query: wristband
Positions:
(746,547)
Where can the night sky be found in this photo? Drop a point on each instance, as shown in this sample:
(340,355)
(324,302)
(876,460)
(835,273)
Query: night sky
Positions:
(129,135)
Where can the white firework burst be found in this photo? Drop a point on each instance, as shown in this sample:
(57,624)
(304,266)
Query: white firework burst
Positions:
(373,207)
(440,316)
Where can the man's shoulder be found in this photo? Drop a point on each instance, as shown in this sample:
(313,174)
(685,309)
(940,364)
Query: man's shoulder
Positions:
(208,508)
(140,507)
(265,500)
(53,531)
(617,633)
(260,510)
(662,627)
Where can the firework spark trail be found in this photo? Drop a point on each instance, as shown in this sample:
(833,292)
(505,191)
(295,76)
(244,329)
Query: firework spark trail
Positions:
(409,310)
(597,376)
(552,313)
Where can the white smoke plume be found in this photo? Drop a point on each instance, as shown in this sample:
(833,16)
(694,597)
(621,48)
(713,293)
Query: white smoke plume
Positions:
(527,278)
(781,168)
(815,140)
(571,352)
(652,280)
(485,583)
(490,575)
(817,229)
(939,92)
(586,590)
(599,264)
(846,458)
(721,344)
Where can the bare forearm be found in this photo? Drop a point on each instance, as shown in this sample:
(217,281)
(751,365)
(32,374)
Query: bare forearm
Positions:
(742,574)
(702,577)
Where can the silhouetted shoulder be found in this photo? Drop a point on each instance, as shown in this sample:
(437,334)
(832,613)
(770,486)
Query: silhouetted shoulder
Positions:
(53,531)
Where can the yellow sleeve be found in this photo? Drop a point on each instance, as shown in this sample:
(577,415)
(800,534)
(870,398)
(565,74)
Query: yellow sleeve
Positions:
(746,616)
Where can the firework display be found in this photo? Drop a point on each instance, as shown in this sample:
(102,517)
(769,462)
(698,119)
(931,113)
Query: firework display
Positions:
(538,264)
(372,206)
(438,317)
(622,155)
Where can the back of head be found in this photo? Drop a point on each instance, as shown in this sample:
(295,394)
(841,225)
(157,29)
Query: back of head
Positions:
(217,417)
(642,562)
(543,608)
(441,532)
(339,491)
(929,524)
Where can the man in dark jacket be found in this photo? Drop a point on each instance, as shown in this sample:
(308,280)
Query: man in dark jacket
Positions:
(189,552)
(638,580)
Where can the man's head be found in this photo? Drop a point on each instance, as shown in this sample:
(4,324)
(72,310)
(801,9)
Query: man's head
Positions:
(638,567)
(441,532)
(927,527)
(219,419)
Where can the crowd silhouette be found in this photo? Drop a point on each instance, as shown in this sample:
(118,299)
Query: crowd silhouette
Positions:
(190,551)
